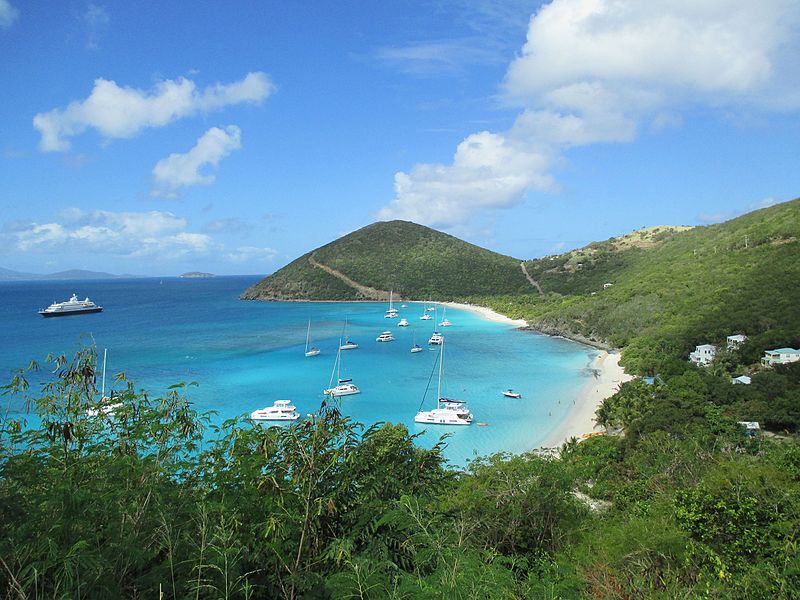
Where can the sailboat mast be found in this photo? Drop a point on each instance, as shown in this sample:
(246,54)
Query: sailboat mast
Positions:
(103,385)
(439,385)
(308,333)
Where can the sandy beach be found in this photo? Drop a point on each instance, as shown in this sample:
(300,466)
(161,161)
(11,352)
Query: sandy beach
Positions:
(580,421)
(487,313)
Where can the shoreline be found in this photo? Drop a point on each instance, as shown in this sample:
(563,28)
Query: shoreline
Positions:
(580,421)
(487,313)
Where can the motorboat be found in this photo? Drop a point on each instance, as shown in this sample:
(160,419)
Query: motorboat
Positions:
(73,306)
(281,410)
(448,411)
(403,323)
(512,394)
(436,338)
(386,336)
(313,351)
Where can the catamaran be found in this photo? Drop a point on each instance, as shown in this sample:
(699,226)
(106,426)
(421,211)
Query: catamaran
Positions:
(313,351)
(386,336)
(445,322)
(448,411)
(343,387)
(403,323)
(436,338)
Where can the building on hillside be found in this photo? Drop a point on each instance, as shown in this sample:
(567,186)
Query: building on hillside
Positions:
(780,356)
(607,285)
(735,341)
(703,354)
(750,427)
(741,379)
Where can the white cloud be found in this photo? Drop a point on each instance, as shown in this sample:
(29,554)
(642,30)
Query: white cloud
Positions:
(141,236)
(96,20)
(439,57)
(250,254)
(594,71)
(123,112)
(8,14)
(181,170)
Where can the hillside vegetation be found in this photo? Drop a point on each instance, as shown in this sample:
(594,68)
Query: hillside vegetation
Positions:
(415,261)
(688,287)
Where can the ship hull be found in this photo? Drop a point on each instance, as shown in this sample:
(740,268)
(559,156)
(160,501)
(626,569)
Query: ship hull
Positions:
(70,312)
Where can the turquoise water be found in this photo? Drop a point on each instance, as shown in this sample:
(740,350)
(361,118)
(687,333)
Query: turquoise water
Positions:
(245,355)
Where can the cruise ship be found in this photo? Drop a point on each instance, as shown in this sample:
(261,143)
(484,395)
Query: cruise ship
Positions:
(73,306)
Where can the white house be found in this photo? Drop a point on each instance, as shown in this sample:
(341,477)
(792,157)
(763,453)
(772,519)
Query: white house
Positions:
(734,341)
(750,427)
(703,354)
(780,356)
(741,379)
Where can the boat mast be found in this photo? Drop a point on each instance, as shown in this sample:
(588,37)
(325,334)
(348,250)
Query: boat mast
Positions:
(103,385)
(308,333)
(439,385)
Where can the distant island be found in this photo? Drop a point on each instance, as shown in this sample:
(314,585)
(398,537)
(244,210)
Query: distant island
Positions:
(196,275)
(10,275)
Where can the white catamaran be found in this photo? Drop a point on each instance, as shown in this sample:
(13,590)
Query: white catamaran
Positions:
(343,387)
(448,411)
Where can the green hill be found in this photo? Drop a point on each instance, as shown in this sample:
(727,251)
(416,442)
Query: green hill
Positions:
(415,261)
(678,286)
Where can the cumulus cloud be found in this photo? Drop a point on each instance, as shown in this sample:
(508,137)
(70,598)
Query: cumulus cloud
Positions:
(151,235)
(122,112)
(181,170)
(8,14)
(596,71)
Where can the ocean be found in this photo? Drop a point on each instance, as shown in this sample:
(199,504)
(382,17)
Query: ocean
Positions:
(244,355)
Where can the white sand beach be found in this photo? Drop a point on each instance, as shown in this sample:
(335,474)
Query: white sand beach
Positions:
(580,421)
(487,313)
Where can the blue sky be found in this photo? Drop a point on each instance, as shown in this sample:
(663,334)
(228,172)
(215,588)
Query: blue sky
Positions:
(155,138)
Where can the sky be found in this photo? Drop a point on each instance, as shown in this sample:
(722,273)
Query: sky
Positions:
(155,138)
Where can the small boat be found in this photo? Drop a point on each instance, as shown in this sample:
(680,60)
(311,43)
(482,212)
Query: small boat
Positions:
(416,347)
(403,323)
(445,322)
(436,338)
(73,306)
(106,406)
(448,411)
(343,387)
(313,351)
(403,306)
(425,317)
(512,394)
(391,312)
(281,410)
(348,344)
(386,336)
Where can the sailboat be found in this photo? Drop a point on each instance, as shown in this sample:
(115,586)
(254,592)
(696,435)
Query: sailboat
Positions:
(445,322)
(105,406)
(416,347)
(448,411)
(314,350)
(391,312)
(425,316)
(348,343)
(343,387)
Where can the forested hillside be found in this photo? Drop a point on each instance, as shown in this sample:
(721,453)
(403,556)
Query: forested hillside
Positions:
(415,261)
(681,289)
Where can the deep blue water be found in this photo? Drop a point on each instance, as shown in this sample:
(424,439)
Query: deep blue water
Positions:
(245,355)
